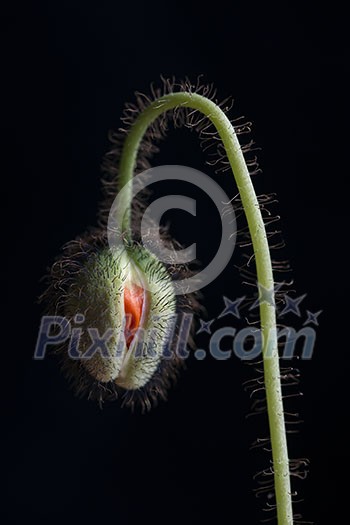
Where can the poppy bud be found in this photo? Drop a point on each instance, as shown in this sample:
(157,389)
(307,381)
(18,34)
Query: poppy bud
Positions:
(127,298)
(128,319)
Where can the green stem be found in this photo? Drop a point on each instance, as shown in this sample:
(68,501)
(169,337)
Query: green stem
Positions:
(262,259)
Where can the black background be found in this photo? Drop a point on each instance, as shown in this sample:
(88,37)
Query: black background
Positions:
(68,69)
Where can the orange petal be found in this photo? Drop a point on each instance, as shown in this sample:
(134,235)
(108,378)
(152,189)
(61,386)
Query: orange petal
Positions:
(133,304)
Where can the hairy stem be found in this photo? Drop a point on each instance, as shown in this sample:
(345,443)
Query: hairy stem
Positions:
(263,265)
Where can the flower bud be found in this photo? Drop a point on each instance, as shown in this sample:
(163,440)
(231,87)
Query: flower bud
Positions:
(128,313)
(127,297)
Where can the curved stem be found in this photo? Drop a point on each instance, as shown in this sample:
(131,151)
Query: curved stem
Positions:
(263,266)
